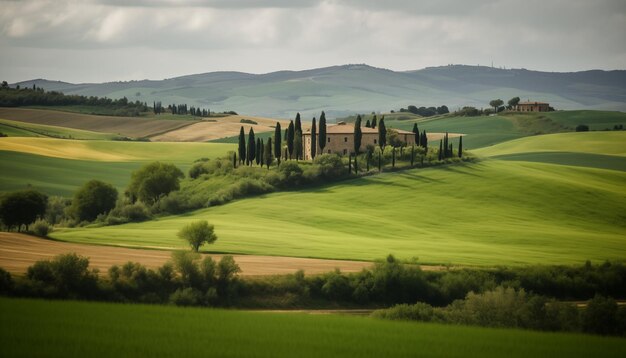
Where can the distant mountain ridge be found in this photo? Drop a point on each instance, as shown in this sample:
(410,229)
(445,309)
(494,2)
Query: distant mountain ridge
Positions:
(346,89)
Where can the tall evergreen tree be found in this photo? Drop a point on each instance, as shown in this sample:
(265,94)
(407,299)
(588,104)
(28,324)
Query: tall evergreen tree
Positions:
(251,147)
(242,145)
(234,160)
(445,146)
(450,151)
(358,135)
(416,133)
(368,124)
(258,151)
(460,146)
(298,129)
(268,153)
(313,139)
(382,133)
(322,133)
(424,141)
(291,132)
(374,121)
(277,142)
(297,145)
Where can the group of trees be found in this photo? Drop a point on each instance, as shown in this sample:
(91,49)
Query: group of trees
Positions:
(426,111)
(446,149)
(36,96)
(181,109)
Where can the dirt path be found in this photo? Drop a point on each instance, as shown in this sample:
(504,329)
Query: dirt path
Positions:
(18,251)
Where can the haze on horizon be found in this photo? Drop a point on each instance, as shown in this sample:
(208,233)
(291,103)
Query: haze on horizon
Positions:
(109,40)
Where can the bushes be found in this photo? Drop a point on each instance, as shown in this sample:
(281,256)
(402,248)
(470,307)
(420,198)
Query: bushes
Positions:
(65,276)
(21,208)
(152,181)
(404,312)
(40,228)
(582,128)
(92,199)
(125,212)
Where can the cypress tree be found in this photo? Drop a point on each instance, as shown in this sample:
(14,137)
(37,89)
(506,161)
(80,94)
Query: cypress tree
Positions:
(350,163)
(313,139)
(291,132)
(235,160)
(356,166)
(259,151)
(461,147)
(268,153)
(368,124)
(242,145)
(382,133)
(412,154)
(445,146)
(374,121)
(298,128)
(277,142)
(416,133)
(358,135)
(251,147)
(322,132)
(424,142)
(440,149)
(393,157)
(297,145)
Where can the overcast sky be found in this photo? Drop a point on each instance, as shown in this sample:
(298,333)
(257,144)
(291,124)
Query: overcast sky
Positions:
(108,40)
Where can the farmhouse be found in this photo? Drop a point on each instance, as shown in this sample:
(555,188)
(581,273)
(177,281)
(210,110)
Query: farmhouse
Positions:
(340,139)
(533,107)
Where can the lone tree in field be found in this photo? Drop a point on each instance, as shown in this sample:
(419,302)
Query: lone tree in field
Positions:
(382,133)
(313,139)
(513,102)
(358,136)
(20,208)
(322,134)
(152,181)
(291,133)
(277,142)
(496,103)
(251,147)
(198,233)
(242,145)
(92,199)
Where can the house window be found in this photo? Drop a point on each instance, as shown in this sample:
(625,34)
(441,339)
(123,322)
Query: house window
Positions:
(374,141)
(345,139)
(345,151)
(329,142)
(329,151)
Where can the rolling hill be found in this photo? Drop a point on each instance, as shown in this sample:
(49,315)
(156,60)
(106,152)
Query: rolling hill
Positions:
(343,90)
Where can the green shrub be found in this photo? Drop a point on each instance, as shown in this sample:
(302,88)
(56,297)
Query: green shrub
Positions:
(92,199)
(600,316)
(186,297)
(125,212)
(6,282)
(404,312)
(152,181)
(66,275)
(40,228)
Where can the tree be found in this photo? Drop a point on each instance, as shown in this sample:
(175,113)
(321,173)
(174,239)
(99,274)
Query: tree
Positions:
(152,181)
(424,141)
(291,132)
(368,124)
(251,147)
(198,233)
(259,151)
(416,133)
(92,199)
(322,134)
(374,121)
(440,155)
(495,104)
(358,136)
(22,207)
(268,153)
(460,147)
(298,129)
(513,102)
(277,142)
(313,139)
(412,109)
(242,145)
(382,133)
(582,128)
(443,110)
(445,146)
(297,144)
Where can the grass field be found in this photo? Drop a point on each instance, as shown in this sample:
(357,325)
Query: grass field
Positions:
(80,329)
(23,129)
(58,166)
(494,212)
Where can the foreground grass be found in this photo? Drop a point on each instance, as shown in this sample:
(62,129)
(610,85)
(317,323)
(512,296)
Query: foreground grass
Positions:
(494,212)
(30,328)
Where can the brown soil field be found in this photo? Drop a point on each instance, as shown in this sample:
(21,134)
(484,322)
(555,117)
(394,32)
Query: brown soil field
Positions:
(18,251)
(124,126)
(215,128)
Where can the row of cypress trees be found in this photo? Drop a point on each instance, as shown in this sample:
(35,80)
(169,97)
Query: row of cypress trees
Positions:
(446,148)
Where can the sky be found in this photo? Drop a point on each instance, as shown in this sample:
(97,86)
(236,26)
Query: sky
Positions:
(114,40)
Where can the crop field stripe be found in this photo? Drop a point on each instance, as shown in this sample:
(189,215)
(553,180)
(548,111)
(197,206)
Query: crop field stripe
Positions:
(81,329)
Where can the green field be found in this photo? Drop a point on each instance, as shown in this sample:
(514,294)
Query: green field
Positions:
(80,329)
(58,166)
(23,129)
(494,212)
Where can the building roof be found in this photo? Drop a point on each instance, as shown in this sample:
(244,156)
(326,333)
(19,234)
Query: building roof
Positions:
(532,103)
(349,129)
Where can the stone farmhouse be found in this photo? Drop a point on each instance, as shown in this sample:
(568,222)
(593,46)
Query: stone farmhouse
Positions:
(533,107)
(340,139)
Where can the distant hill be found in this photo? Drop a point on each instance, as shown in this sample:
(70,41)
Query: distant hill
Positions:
(343,90)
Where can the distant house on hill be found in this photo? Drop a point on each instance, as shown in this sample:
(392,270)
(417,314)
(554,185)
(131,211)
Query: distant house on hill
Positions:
(340,139)
(533,107)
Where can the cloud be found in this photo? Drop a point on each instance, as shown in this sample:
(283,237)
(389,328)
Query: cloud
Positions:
(262,36)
